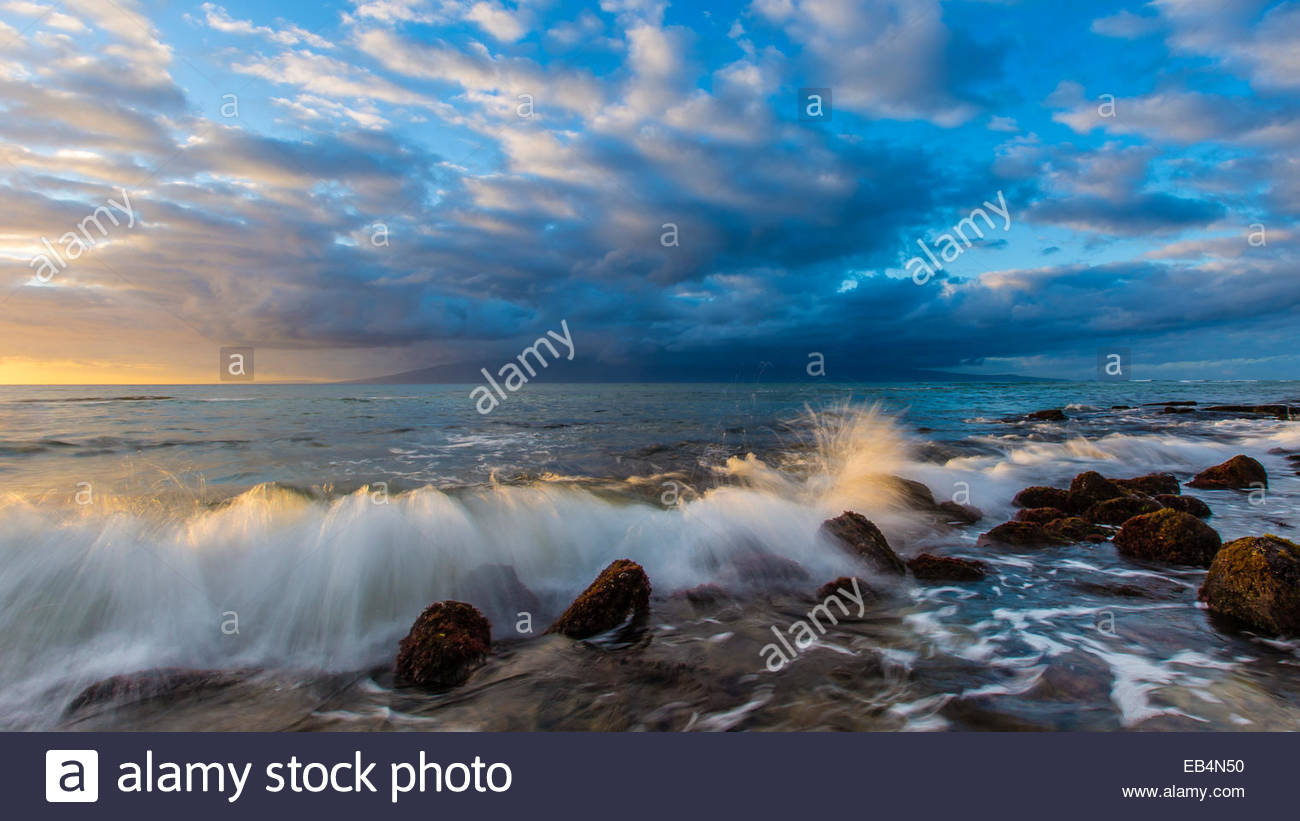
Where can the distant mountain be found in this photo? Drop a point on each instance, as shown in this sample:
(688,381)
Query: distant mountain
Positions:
(560,372)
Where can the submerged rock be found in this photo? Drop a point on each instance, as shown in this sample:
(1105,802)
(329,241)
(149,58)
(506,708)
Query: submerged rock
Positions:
(1256,580)
(1284,412)
(1039,496)
(1090,488)
(161,683)
(1075,529)
(703,594)
(847,583)
(621,590)
(1049,415)
(1169,536)
(445,644)
(946,568)
(861,537)
(1119,510)
(1238,473)
(1022,534)
(1040,515)
(499,594)
(1152,484)
(763,569)
(1186,504)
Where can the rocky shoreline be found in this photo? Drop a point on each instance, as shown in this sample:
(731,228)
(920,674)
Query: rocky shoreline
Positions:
(1251,582)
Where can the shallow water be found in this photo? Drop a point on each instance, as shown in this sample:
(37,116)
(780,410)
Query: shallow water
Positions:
(325,570)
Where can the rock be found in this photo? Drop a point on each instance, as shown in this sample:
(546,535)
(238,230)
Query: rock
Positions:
(956,513)
(1120,510)
(1039,496)
(1168,536)
(1172,409)
(1152,484)
(703,594)
(162,683)
(1075,529)
(914,494)
(1238,473)
(1121,407)
(1186,504)
(846,583)
(1089,488)
(1256,580)
(862,538)
(1170,404)
(946,568)
(1040,515)
(622,589)
(1021,534)
(768,570)
(445,644)
(1049,415)
(1284,412)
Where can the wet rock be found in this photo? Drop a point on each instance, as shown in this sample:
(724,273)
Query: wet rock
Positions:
(1238,473)
(1049,415)
(1022,534)
(1172,409)
(1040,515)
(444,645)
(1147,588)
(1152,484)
(1256,580)
(1075,529)
(956,513)
(1284,412)
(914,494)
(768,570)
(1039,496)
(1186,504)
(929,567)
(1089,488)
(846,583)
(862,538)
(1120,510)
(703,594)
(163,683)
(1168,536)
(1121,407)
(621,590)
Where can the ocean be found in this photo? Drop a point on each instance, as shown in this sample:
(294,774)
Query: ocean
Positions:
(282,539)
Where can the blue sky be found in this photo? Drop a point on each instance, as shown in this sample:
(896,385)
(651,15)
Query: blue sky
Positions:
(349,186)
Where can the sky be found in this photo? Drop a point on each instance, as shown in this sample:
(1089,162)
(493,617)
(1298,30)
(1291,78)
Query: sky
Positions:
(356,188)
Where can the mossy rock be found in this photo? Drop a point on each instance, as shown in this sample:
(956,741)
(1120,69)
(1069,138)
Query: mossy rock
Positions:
(928,567)
(860,536)
(1152,484)
(1186,504)
(1039,496)
(1022,534)
(1090,488)
(1076,529)
(446,643)
(1238,473)
(1119,510)
(1256,580)
(1040,515)
(1169,536)
(621,590)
